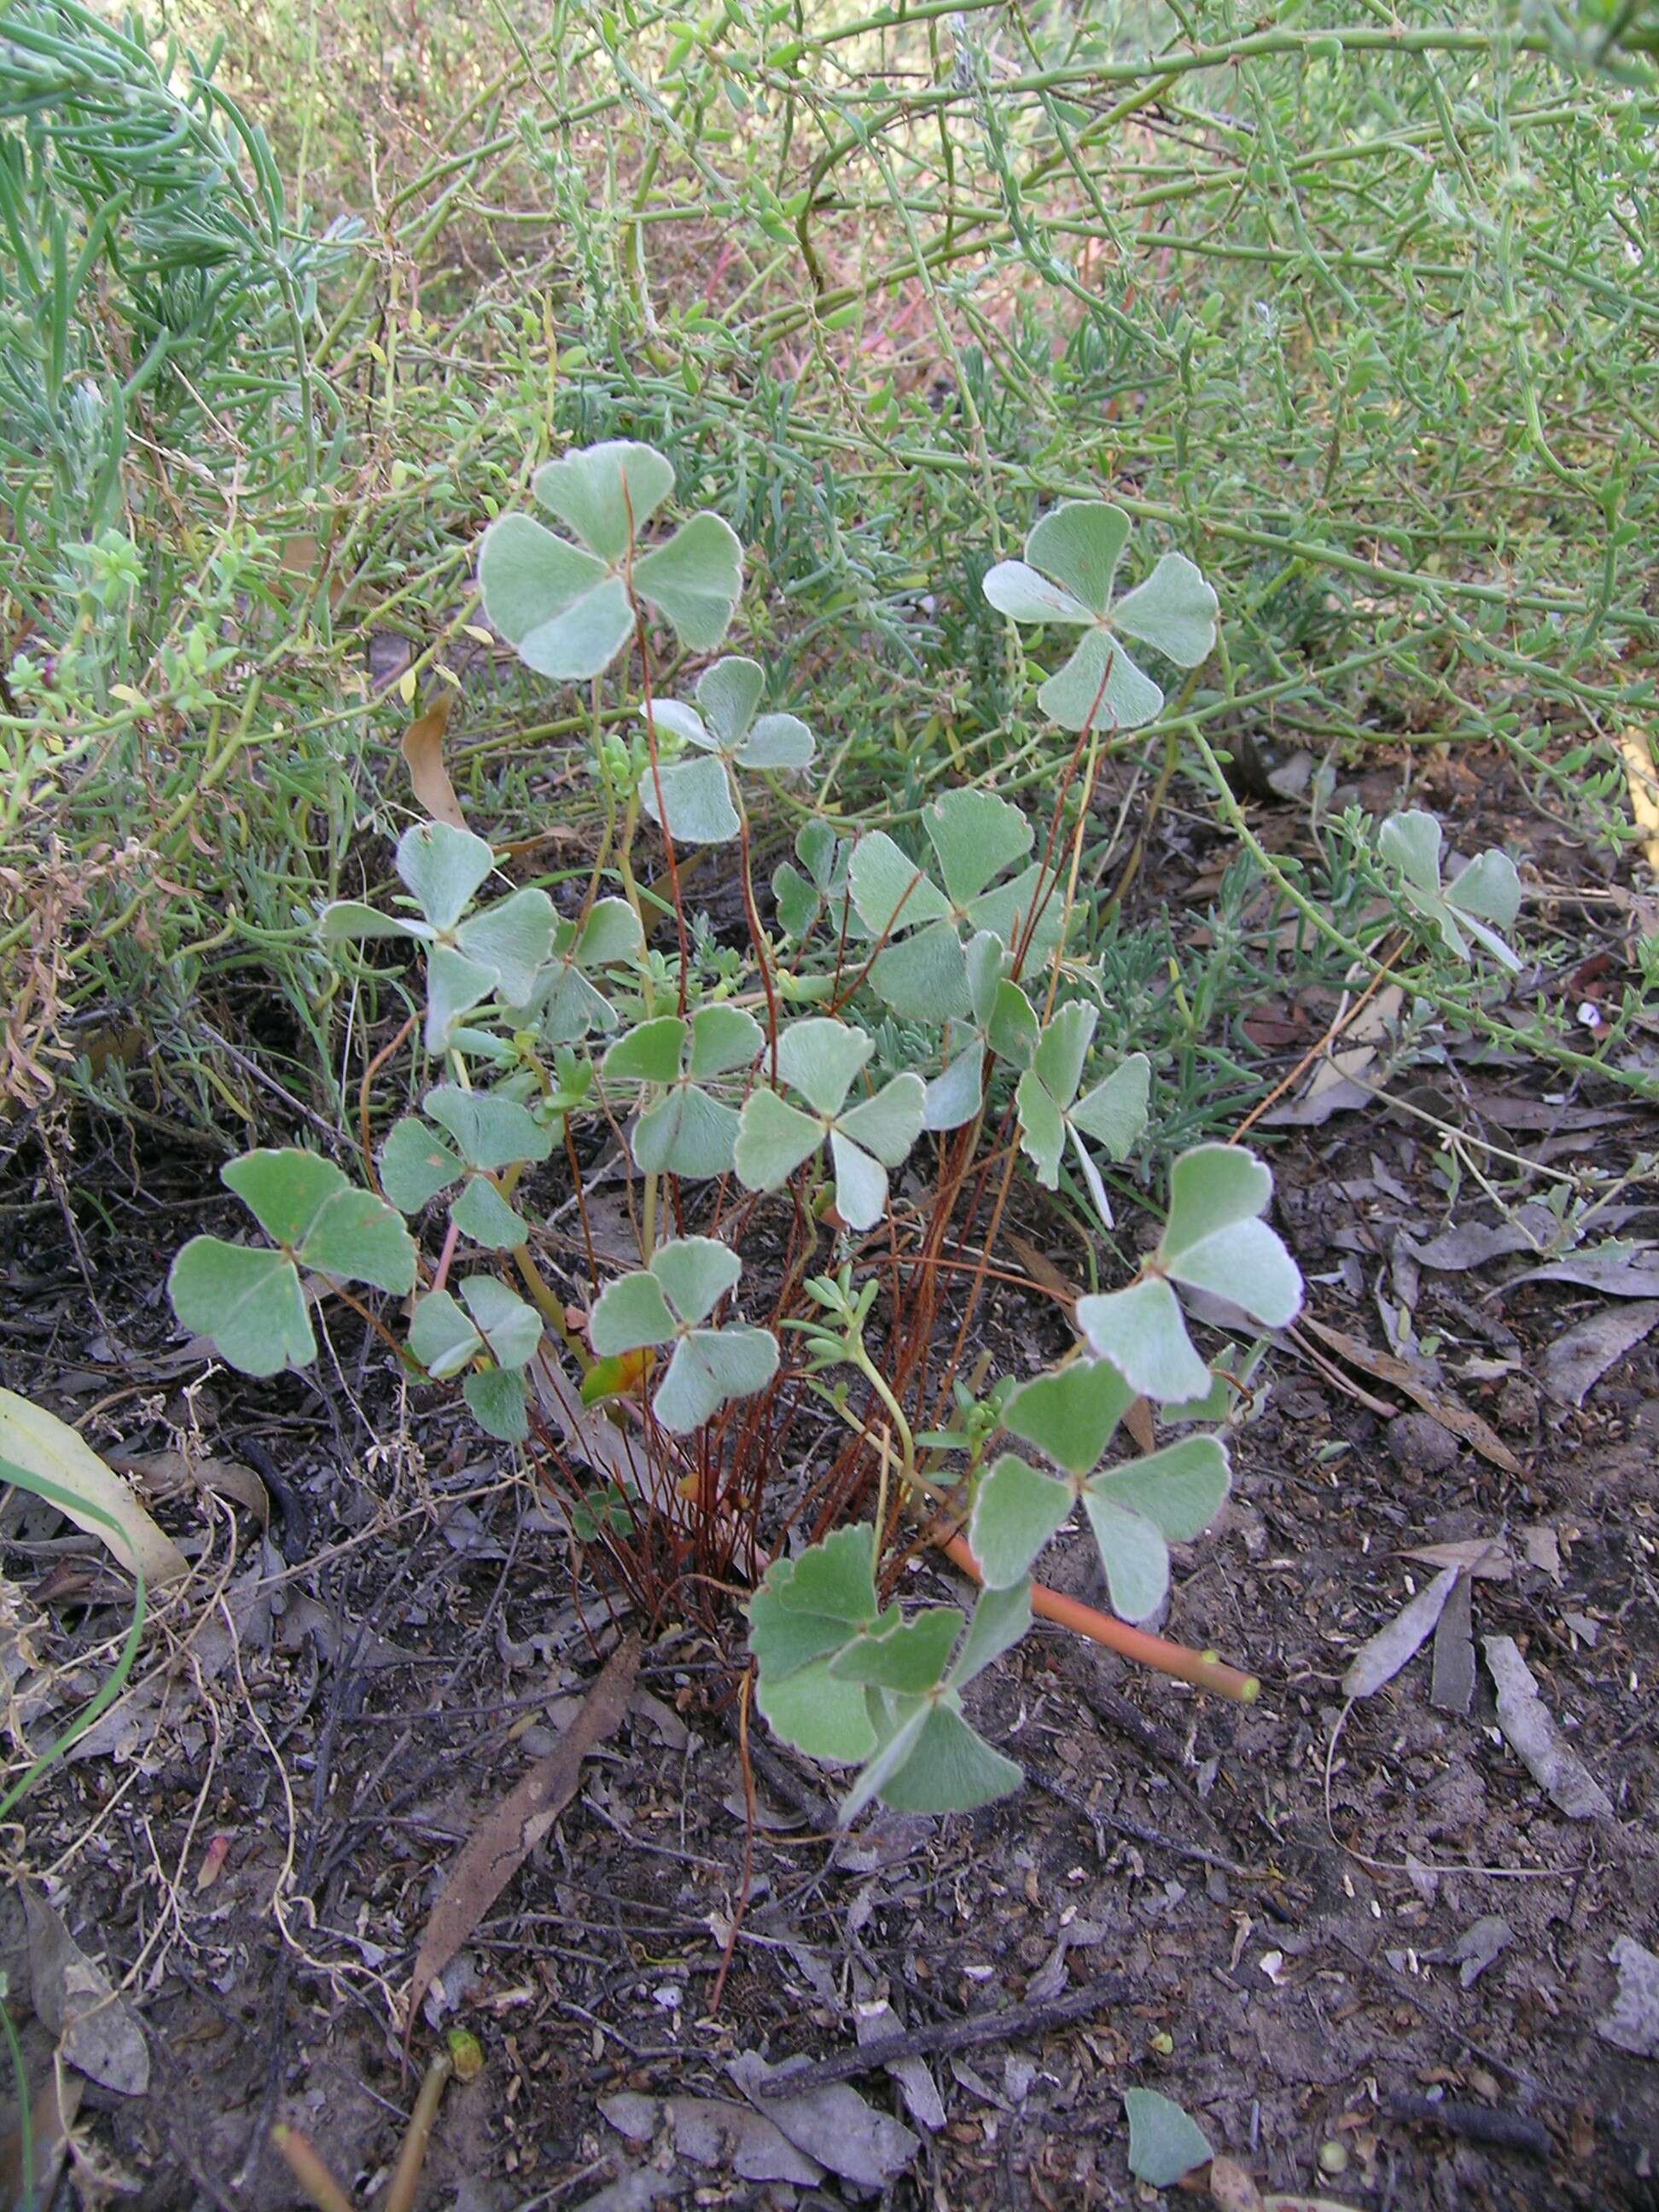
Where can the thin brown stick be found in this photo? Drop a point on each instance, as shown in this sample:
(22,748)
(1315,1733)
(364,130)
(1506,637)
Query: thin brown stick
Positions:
(1006,2025)
(309,2171)
(406,2174)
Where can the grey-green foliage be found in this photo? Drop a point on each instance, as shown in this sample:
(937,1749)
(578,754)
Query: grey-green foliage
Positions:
(145,225)
(957,958)
(1481,902)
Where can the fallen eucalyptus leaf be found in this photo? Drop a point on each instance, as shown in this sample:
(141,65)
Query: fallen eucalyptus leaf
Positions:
(1451,1679)
(1478,1946)
(1533,1737)
(97,2031)
(1381,1657)
(833,2125)
(715,2131)
(1581,1357)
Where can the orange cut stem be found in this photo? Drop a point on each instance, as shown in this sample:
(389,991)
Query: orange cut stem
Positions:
(1202,1668)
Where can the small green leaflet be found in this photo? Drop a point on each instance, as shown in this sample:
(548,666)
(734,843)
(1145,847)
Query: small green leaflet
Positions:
(1113,1113)
(1213,1241)
(1136,1511)
(842,1680)
(484,1135)
(697,797)
(684,1127)
(499,953)
(819,1058)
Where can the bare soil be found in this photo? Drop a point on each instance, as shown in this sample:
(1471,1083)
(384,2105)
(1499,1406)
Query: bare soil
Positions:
(1274,1901)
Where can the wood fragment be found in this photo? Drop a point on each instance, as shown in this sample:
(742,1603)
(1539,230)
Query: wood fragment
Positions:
(1495,2125)
(1008,2024)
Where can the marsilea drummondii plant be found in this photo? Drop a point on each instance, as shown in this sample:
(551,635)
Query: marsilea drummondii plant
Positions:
(756,1120)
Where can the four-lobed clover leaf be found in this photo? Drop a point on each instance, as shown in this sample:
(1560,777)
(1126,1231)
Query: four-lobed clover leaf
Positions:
(568,609)
(845,1682)
(819,1058)
(481,1135)
(1480,902)
(1136,1511)
(669,1303)
(1066,578)
(921,970)
(726,729)
(1214,1241)
(1113,1113)
(249,1300)
(498,952)
(684,1129)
